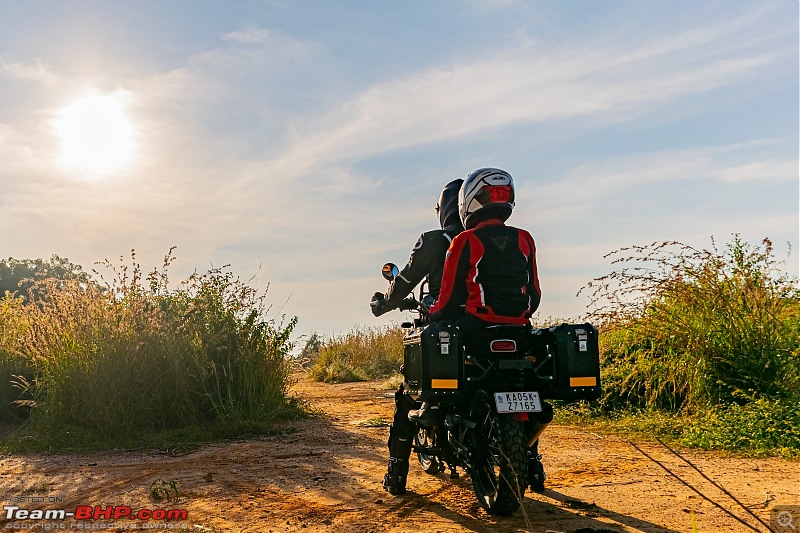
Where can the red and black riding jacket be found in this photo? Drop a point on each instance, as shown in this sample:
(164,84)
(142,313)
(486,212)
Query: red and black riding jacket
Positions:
(490,273)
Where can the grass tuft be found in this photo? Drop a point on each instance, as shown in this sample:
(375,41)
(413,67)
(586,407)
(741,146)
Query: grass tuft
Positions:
(83,361)
(364,353)
(709,338)
(684,329)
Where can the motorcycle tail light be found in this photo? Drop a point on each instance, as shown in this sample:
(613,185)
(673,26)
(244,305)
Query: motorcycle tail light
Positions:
(520,417)
(504,345)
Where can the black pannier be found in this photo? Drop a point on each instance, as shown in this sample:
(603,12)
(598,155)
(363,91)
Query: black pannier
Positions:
(433,360)
(569,361)
(561,362)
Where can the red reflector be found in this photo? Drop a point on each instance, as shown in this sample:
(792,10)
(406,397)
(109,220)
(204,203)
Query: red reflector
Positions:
(503,346)
(520,417)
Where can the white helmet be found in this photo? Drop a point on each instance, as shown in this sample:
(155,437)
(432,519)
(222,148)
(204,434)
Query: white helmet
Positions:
(487,191)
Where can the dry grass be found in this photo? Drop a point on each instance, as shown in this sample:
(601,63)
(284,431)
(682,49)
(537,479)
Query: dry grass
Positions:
(363,353)
(685,328)
(708,340)
(131,354)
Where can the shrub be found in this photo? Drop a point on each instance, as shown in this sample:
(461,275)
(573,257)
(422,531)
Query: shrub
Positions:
(361,354)
(760,428)
(684,329)
(15,369)
(134,355)
(19,276)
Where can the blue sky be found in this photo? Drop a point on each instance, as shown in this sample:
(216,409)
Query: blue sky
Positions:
(305,143)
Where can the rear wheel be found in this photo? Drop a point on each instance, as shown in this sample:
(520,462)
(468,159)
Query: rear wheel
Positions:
(425,438)
(500,466)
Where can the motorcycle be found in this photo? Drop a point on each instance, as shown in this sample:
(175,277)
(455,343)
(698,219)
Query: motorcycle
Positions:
(488,389)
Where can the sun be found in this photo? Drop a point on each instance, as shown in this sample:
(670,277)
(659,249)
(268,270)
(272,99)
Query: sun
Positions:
(96,135)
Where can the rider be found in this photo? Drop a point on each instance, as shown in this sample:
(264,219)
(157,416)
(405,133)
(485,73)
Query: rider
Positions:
(427,259)
(490,277)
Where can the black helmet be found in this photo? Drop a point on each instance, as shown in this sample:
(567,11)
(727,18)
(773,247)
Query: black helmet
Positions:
(447,206)
(487,193)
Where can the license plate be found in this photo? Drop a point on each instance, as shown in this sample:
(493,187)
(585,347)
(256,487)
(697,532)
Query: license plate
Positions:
(517,402)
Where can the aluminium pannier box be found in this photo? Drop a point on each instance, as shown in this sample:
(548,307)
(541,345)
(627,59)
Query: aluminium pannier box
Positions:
(573,350)
(432,360)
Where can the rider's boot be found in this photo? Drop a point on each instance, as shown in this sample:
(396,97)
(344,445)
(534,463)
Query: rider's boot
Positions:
(536,475)
(400,436)
(395,479)
(399,451)
(536,426)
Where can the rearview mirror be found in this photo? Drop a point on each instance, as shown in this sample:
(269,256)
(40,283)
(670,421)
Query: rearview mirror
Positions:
(390,271)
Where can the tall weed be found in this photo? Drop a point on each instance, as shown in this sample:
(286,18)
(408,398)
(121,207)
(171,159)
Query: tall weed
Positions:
(684,329)
(361,354)
(15,369)
(131,354)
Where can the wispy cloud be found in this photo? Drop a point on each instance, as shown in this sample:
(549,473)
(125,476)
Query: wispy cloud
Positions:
(271,149)
(784,171)
(520,86)
(488,5)
(302,186)
(36,72)
(715,166)
(248,35)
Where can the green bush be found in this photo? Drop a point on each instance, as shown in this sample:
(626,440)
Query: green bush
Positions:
(19,276)
(134,355)
(683,329)
(699,346)
(15,370)
(361,354)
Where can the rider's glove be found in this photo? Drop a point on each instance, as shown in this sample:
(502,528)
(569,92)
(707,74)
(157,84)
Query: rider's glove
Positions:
(409,304)
(378,304)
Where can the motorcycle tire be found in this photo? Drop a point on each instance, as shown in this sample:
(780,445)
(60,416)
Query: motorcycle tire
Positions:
(499,470)
(425,438)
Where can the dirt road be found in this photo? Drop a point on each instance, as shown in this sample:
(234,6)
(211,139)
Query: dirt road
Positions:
(324,473)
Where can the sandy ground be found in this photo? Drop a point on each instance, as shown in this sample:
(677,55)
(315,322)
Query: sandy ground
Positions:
(324,474)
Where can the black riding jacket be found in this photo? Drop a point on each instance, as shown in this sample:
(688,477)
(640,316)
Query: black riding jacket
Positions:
(490,274)
(427,259)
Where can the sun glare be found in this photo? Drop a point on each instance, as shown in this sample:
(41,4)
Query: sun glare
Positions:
(96,136)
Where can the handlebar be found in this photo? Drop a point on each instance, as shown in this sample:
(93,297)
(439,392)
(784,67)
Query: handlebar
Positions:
(408,304)
(412,304)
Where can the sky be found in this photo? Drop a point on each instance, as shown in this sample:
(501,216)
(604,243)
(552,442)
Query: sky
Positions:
(305,143)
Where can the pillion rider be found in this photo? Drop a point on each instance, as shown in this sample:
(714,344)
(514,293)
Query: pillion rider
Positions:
(427,260)
(490,277)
